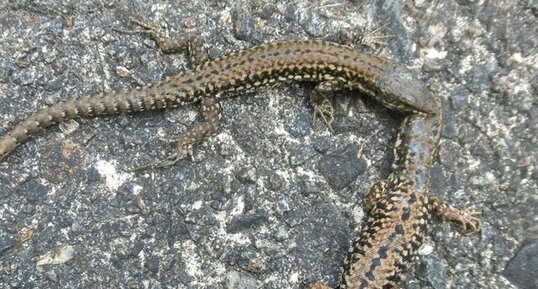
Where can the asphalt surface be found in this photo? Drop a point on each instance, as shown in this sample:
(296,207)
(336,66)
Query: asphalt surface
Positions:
(274,199)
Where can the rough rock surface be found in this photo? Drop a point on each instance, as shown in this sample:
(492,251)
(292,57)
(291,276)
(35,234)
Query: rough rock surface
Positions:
(274,199)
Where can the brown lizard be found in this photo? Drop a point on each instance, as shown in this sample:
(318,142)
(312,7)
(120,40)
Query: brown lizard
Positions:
(399,207)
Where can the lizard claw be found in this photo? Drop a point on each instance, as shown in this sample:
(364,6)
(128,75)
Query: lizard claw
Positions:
(373,38)
(326,112)
(469,221)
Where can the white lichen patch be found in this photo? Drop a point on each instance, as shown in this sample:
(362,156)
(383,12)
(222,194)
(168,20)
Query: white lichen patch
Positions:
(113,178)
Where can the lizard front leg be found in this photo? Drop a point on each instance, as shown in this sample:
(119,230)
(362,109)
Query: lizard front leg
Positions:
(466,218)
(210,107)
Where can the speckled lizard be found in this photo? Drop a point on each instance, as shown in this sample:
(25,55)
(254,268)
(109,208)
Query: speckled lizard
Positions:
(399,207)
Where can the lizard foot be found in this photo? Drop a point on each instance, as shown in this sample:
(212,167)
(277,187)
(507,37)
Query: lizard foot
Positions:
(468,220)
(192,44)
(325,111)
(370,39)
(373,38)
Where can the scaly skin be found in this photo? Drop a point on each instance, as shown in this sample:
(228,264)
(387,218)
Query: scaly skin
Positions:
(309,60)
(399,207)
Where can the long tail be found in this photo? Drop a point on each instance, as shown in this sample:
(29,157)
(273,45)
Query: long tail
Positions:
(89,106)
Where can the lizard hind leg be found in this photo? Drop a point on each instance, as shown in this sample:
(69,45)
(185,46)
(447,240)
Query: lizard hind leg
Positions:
(192,44)
(212,114)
